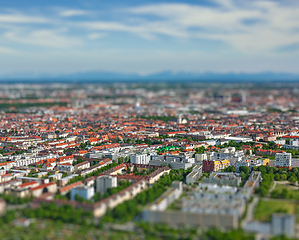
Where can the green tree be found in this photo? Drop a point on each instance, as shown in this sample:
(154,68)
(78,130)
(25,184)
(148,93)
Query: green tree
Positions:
(135,170)
(292,179)
(244,169)
(283,177)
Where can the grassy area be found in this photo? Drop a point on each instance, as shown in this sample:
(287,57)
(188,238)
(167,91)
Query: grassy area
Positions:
(285,192)
(282,186)
(265,208)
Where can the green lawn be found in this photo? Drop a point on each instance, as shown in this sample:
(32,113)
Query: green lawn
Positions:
(285,192)
(265,208)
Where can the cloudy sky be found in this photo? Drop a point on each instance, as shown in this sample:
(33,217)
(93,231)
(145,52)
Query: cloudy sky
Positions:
(138,36)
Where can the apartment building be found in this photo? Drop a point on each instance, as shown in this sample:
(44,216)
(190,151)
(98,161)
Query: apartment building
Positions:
(105,182)
(65,167)
(175,161)
(81,166)
(223,178)
(283,160)
(140,159)
(214,165)
(83,191)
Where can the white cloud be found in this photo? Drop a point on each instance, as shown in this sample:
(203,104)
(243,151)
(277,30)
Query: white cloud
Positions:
(17,18)
(275,23)
(74,12)
(95,36)
(45,38)
(253,29)
(146,30)
(5,50)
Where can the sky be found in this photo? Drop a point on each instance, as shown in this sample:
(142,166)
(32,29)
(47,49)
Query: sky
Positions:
(145,37)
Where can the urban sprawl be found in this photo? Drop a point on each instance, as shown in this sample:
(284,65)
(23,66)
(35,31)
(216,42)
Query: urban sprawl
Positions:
(149,161)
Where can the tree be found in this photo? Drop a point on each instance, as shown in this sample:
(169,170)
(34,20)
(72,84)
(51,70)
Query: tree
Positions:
(283,177)
(229,169)
(83,145)
(292,179)
(277,177)
(135,170)
(120,160)
(244,169)
(148,141)
(189,139)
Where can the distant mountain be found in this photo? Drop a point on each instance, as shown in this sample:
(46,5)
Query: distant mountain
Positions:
(95,76)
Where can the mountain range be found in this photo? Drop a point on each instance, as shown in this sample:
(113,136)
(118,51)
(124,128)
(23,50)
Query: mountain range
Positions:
(100,76)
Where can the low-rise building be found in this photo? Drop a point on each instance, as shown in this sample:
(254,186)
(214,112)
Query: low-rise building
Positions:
(175,161)
(44,188)
(194,175)
(65,167)
(215,165)
(223,178)
(55,177)
(64,190)
(23,190)
(207,207)
(63,181)
(81,166)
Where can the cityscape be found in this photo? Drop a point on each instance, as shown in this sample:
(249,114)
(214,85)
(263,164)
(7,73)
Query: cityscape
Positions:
(143,160)
(149,120)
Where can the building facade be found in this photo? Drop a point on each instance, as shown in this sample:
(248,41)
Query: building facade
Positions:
(283,160)
(105,182)
(214,165)
(140,159)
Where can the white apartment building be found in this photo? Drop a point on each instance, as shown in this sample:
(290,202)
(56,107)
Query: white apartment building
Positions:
(200,157)
(65,167)
(105,182)
(140,159)
(81,166)
(283,224)
(283,160)
(83,191)
(294,142)
(176,162)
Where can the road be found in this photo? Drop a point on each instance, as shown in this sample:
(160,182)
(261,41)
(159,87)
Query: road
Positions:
(272,188)
(250,211)
(17,206)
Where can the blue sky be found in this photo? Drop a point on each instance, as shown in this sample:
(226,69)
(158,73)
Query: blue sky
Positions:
(144,37)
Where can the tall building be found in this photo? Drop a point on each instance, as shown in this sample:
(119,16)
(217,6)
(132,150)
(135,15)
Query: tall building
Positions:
(283,160)
(283,224)
(105,182)
(140,159)
(179,120)
(243,94)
